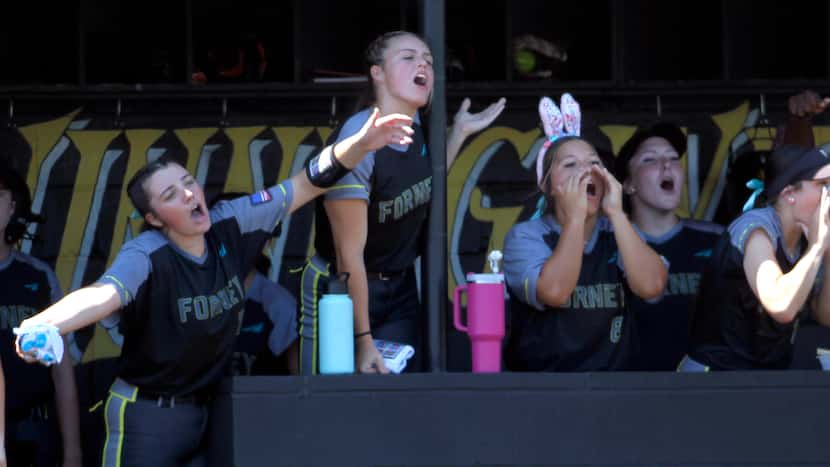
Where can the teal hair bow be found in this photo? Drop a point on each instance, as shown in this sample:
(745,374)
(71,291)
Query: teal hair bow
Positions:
(540,208)
(757,186)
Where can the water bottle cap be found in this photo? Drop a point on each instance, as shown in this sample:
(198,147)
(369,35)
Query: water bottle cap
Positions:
(493,258)
(338,285)
(485,278)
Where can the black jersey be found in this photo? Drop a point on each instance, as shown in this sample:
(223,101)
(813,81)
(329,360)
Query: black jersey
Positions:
(180,318)
(730,329)
(592,331)
(663,325)
(396,181)
(28,287)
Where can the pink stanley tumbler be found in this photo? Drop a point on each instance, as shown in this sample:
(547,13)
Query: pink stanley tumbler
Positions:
(485,316)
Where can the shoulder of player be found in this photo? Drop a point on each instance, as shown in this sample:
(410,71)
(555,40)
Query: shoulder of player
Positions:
(763,218)
(28,260)
(146,242)
(702,226)
(533,228)
(353,124)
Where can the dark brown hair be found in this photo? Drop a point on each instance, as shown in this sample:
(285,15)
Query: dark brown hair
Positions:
(137,193)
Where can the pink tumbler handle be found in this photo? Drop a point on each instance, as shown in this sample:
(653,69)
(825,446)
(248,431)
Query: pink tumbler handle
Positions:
(456,307)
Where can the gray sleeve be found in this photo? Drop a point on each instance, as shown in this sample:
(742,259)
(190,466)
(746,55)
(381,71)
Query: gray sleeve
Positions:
(525,252)
(258,211)
(281,308)
(132,266)
(740,230)
(357,183)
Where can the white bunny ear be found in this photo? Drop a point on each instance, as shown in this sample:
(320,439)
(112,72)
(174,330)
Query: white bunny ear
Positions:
(573,116)
(540,165)
(551,117)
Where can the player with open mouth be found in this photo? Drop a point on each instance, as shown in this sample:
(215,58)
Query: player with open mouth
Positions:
(650,166)
(178,287)
(571,269)
(372,223)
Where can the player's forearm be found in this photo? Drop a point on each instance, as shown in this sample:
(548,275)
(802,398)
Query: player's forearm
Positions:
(348,152)
(455,139)
(791,290)
(358,292)
(78,309)
(560,272)
(303,191)
(647,275)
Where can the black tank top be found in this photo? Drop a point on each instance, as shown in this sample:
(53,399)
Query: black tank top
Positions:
(730,329)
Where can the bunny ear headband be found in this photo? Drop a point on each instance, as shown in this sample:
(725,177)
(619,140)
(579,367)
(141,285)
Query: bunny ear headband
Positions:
(557,124)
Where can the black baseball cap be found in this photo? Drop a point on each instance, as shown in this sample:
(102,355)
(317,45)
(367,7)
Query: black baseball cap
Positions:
(791,164)
(666,130)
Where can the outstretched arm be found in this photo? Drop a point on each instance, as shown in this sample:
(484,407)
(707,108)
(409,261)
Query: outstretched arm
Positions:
(78,309)
(466,123)
(376,133)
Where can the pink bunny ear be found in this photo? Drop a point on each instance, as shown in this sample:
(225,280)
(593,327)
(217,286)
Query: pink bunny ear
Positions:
(573,116)
(551,117)
(552,122)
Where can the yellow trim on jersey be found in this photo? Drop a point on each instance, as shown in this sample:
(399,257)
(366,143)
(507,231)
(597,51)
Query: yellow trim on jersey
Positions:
(119,284)
(318,271)
(340,187)
(315,283)
(284,196)
(95,407)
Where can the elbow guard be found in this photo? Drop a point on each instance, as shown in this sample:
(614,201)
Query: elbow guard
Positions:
(324,170)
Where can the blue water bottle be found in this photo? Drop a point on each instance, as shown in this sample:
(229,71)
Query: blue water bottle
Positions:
(337,328)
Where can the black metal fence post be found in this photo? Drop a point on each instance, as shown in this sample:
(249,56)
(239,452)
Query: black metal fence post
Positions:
(435,283)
